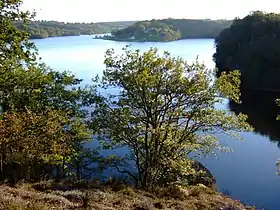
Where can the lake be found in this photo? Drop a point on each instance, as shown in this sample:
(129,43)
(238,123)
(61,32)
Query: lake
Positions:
(249,172)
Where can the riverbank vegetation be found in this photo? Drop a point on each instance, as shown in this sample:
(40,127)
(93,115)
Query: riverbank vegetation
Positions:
(45,29)
(170,29)
(163,111)
(251,45)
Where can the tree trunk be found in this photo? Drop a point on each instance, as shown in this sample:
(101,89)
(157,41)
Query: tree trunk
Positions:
(1,167)
(63,167)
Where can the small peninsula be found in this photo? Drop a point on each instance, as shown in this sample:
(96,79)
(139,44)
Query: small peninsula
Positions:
(165,30)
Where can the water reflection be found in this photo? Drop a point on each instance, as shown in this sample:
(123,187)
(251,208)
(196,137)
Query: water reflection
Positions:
(262,111)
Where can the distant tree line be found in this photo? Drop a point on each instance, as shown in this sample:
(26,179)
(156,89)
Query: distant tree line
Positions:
(251,45)
(45,29)
(171,29)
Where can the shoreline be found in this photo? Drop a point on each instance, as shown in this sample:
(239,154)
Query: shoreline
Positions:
(151,41)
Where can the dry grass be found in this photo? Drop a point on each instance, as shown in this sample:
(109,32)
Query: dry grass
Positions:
(25,197)
(20,198)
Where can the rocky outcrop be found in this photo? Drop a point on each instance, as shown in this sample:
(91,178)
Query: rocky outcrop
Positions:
(203,176)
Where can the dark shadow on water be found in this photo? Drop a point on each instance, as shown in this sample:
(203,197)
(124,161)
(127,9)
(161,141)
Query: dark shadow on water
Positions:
(262,111)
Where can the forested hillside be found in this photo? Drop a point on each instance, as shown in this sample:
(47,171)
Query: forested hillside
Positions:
(252,45)
(170,29)
(45,29)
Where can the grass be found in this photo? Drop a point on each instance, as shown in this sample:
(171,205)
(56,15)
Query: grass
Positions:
(93,195)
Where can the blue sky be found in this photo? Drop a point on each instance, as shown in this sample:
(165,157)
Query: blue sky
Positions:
(115,10)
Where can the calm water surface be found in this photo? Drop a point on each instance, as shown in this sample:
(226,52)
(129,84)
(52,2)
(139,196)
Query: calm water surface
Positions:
(247,174)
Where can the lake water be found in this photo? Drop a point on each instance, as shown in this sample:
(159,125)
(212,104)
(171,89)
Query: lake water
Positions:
(247,174)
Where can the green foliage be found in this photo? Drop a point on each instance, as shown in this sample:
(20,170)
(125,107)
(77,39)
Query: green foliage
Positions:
(45,29)
(42,122)
(14,45)
(164,111)
(251,45)
(170,29)
(30,141)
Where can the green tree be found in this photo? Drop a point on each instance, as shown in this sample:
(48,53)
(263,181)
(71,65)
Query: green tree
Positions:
(42,121)
(27,82)
(164,110)
(29,141)
(14,45)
